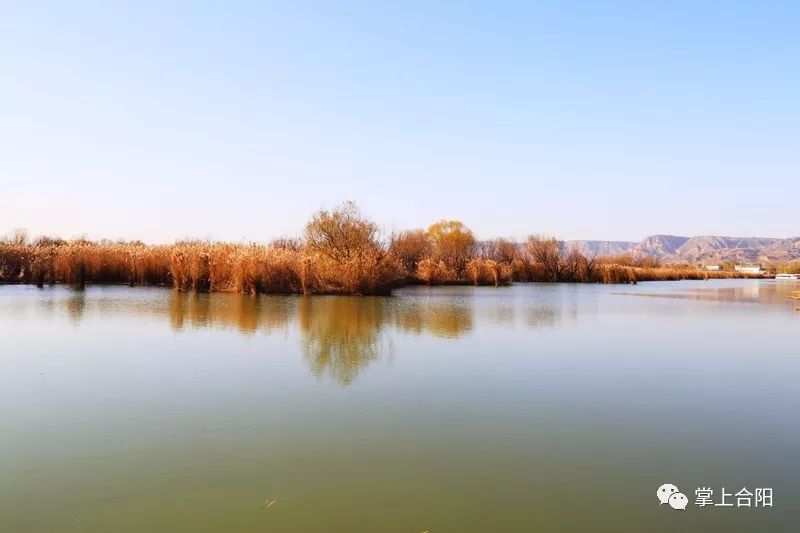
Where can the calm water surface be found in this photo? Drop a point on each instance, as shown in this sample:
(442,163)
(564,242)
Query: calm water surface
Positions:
(530,408)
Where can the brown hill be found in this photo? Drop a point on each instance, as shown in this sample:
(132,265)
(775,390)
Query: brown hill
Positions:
(700,249)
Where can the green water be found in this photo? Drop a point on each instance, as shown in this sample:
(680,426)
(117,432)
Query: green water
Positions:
(529,408)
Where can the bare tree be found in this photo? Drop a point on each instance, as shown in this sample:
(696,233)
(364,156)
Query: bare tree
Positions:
(500,250)
(547,252)
(342,234)
(410,247)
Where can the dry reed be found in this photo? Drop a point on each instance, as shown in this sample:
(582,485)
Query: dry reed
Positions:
(341,253)
(269,269)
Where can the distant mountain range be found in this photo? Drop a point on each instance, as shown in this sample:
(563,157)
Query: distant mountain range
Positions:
(703,249)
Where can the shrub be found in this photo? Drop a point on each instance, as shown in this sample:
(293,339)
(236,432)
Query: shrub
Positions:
(453,243)
(342,253)
(347,254)
(488,272)
(411,247)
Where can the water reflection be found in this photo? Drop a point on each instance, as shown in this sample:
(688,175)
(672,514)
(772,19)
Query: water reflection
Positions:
(446,320)
(764,292)
(76,306)
(539,317)
(191,309)
(245,313)
(341,335)
(134,407)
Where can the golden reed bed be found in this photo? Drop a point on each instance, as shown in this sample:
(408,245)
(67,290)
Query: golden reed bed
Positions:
(341,252)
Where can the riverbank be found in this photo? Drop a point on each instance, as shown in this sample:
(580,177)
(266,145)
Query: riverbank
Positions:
(275,269)
(340,252)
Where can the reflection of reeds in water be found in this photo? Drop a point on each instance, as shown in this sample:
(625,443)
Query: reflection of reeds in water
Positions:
(341,335)
(350,314)
(502,314)
(440,320)
(541,317)
(243,312)
(191,309)
(76,306)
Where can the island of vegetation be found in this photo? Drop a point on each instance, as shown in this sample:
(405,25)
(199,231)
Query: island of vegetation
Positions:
(341,252)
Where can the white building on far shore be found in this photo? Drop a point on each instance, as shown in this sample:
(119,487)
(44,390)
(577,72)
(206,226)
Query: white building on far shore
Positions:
(712,267)
(749,269)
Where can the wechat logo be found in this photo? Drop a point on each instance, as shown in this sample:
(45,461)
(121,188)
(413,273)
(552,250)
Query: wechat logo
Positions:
(670,494)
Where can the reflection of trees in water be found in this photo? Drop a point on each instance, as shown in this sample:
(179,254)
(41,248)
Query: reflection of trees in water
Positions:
(342,334)
(339,335)
(555,304)
(76,305)
(502,314)
(244,312)
(442,320)
(541,317)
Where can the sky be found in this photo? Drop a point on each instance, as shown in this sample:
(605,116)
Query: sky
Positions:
(236,121)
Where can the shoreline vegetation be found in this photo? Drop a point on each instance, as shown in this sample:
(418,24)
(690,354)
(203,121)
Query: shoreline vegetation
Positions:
(341,252)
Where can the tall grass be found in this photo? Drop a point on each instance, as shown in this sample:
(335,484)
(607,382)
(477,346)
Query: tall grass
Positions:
(271,269)
(342,252)
(615,273)
(197,267)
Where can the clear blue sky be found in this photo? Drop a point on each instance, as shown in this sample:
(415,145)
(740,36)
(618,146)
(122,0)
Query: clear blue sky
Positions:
(607,120)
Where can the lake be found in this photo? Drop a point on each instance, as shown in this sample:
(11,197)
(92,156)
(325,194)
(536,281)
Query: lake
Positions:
(534,407)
